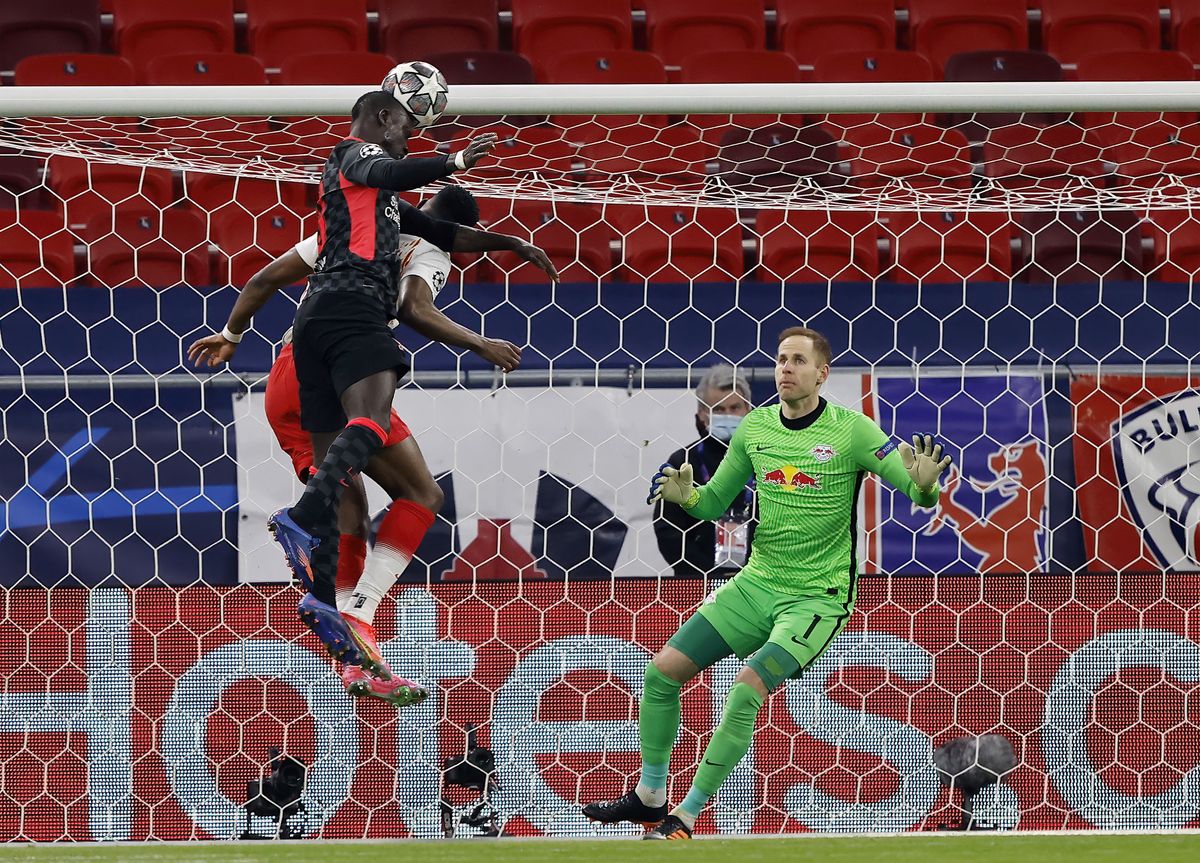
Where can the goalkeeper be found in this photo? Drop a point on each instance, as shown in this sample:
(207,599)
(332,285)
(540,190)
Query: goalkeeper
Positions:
(798,588)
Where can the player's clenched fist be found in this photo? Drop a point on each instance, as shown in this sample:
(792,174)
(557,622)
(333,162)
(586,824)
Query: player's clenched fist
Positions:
(923,461)
(673,485)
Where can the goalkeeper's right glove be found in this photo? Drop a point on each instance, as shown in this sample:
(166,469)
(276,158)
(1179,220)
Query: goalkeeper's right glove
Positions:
(673,485)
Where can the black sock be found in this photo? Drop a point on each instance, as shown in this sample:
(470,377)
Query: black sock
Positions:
(324,563)
(347,455)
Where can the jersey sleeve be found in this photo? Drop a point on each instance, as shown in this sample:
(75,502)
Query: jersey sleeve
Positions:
(876,452)
(368,165)
(308,249)
(430,264)
(718,493)
(417,224)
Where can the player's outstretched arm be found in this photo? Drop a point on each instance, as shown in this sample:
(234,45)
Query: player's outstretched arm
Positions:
(418,311)
(913,470)
(711,500)
(475,240)
(368,165)
(219,348)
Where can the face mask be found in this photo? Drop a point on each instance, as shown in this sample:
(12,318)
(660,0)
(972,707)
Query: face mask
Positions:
(721,426)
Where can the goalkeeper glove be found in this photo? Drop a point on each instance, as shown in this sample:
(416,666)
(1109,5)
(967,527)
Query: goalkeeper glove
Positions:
(673,485)
(923,461)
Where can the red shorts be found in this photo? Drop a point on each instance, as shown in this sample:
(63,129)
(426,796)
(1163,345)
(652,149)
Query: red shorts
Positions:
(282,405)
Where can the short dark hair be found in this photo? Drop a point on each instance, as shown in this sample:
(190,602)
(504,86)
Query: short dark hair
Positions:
(820,343)
(455,204)
(372,102)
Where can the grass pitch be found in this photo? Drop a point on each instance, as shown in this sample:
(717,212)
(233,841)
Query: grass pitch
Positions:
(978,848)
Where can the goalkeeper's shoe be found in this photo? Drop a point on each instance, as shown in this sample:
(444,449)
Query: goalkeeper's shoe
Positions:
(628,807)
(297,544)
(670,828)
(397,692)
(327,623)
(364,636)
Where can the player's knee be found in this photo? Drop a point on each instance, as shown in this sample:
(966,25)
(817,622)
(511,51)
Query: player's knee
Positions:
(431,497)
(674,664)
(753,679)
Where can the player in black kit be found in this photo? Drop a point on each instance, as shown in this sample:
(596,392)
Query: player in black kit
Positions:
(347,360)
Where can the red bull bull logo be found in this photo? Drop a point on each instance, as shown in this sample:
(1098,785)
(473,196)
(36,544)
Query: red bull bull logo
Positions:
(790,478)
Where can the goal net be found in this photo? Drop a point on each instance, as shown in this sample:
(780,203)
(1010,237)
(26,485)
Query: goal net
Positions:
(1009,269)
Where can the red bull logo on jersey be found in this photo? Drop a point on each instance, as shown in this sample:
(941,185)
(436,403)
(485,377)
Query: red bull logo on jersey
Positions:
(790,478)
(1006,533)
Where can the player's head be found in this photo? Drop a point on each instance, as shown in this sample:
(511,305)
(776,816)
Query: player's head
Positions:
(722,399)
(378,118)
(453,204)
(801,363)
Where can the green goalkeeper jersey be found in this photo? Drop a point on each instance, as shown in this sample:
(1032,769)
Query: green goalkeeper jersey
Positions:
(808,473)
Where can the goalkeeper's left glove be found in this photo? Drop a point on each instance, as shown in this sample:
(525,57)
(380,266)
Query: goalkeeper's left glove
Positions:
(923,461)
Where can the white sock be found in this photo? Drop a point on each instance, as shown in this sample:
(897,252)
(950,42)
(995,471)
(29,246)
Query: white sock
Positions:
(686,817)
(384,565)
(651,796)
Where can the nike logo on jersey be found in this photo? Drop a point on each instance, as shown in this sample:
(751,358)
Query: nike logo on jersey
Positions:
(761,448)
(713,763)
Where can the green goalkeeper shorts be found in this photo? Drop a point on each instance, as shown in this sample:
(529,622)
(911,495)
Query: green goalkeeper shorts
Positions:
(779,635)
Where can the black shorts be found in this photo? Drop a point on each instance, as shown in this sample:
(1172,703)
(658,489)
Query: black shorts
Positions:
(338,340)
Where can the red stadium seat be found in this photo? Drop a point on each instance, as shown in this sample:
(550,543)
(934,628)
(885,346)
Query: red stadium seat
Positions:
(205,69)
(74,70)
(867,67)
(1185,27)
(818,245)
(1041,157)
(36,250)
(1136,66)
(248,243)
(545,31)
(32,27)
(341,67)
(1000,67)
(150,249)
(409,31)
(740,67)
(279,29)
(676,29)
(479,67)
(1152,154)
(810,29)
(216,193)
(941,28)
(606,67)
(680,244)
(675,154)
(1080,246)
(533,150)
(1072,29)
(145,29)
(1176,238)
(950,247)
(21,182)
(779,156)
(95,190)
(920,156)
(575,236)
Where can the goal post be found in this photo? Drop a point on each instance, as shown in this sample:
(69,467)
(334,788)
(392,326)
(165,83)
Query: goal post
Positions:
(1010,268)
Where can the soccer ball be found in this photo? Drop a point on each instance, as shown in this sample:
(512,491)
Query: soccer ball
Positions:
(420,88)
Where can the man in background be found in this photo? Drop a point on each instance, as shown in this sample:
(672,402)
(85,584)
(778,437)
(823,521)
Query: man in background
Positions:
(710,548)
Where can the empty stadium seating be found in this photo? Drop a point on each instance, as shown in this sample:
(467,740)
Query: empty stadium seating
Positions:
(1153,153)
(149,249)
(677,29)
(278,29)
(778,156)
(410,31)
(606,67)
(35,250)
(941,28)
(933,247)
(575,236)
(1185,27)
(205,69)
(97,189)
(1175,235)
(817,245)
(810,29)
(920,156)
(872,66)
(1000,67)
(341,67)
(145,29)
(248,242)
(1072,29)
(1081,246)
(32,27)
(675,154)
(74,70)
(1041,157)
(1135,66)
(545,31)
(679,244)
(20,181)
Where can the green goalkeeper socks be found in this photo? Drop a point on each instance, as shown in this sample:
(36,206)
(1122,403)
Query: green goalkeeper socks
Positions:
(728,746)
(658,724)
